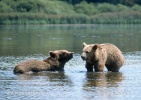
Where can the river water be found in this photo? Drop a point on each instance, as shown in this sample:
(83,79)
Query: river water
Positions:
(19,43)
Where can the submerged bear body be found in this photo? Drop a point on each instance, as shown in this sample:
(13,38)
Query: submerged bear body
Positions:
(37,66)
(55,62)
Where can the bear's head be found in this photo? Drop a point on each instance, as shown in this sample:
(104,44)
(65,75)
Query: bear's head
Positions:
(62,55)
(91,52)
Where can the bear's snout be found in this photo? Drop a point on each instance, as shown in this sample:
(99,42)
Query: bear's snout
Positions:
(83,57)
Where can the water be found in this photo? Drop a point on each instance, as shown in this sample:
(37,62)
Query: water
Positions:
(19,43)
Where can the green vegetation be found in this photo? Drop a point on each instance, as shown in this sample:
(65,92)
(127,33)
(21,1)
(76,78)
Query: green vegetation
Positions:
(67,12)
(124,2)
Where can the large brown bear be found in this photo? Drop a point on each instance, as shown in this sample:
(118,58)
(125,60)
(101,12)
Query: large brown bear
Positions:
(100,55)
(55,62)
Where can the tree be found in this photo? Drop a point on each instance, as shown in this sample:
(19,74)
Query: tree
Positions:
(138,2)
(73,1)
(125,2)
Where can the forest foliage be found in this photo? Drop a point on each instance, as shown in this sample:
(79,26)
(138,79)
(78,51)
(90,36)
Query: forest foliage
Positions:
(124,2)
(69,11)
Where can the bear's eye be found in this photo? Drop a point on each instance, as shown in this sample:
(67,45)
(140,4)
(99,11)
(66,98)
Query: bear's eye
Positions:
(87,51)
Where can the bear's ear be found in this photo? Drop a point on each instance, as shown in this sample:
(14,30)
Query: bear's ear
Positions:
(52,54)
(72,52)
(96,46)
(84,44)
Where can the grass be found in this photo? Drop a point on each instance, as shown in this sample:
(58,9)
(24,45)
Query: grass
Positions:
(102,18)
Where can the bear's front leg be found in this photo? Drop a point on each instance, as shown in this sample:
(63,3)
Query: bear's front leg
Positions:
(89,67)
(99,67)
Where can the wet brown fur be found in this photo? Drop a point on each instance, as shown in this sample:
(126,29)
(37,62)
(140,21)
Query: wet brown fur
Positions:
(48,64)
(55,62)
(100,55)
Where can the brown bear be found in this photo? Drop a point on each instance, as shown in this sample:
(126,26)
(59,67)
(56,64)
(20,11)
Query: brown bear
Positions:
(55,62)
(100,55)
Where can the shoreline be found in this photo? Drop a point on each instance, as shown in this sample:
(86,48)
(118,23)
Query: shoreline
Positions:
(101,18)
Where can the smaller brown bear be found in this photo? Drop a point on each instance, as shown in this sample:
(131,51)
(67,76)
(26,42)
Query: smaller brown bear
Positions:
(100,55)
(55,62)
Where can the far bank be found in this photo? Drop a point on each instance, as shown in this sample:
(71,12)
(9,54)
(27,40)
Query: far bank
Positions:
(102,18)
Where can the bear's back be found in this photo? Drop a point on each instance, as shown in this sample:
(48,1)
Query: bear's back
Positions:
(113,54)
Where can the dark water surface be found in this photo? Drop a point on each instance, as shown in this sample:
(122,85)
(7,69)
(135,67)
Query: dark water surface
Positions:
(19,43)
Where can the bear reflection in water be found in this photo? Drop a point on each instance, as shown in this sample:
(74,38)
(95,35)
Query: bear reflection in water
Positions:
(48,75)
(102,79)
